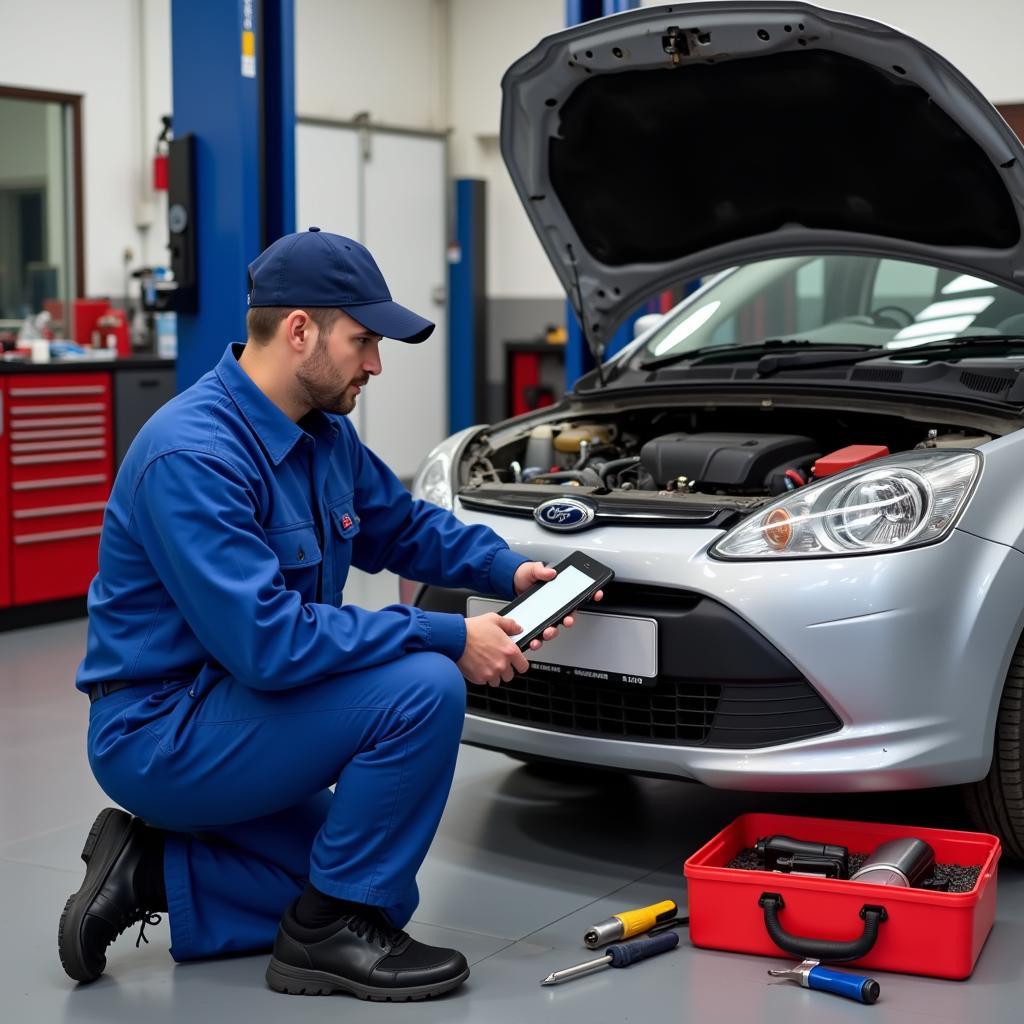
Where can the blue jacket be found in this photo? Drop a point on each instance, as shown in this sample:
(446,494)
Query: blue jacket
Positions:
(228,538)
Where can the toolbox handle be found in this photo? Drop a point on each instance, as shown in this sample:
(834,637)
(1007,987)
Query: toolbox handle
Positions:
(820,949)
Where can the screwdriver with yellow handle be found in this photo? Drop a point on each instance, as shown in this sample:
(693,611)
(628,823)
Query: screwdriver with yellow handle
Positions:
(629,923)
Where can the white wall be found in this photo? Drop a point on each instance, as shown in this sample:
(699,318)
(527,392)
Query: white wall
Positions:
(385,57)
(486,36)
(428,64)
(92,49)
(982,38)
(154,28)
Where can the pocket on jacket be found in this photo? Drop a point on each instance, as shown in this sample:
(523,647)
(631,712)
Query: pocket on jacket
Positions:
(299,555)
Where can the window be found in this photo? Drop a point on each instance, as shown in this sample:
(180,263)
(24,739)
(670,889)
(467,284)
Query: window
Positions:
(41,267)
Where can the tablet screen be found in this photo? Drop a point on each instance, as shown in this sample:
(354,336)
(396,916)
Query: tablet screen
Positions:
(556,594)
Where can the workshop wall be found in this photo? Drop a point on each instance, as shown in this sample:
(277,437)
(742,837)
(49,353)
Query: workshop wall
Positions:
(93,49)
(425,64)
(524,295)
(387,58)
(981,38)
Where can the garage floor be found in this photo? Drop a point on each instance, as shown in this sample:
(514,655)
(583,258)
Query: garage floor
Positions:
(524,860)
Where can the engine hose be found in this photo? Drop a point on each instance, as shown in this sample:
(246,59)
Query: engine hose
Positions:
(617,464)
(582,476)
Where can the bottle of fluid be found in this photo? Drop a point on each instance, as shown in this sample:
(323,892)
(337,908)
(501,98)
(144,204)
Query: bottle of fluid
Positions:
(167,335)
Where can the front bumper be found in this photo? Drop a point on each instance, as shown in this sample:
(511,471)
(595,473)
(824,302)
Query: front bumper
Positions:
(908,649)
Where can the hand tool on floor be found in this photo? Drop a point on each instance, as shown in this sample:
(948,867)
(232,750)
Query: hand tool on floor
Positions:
(629,923)
(797,856)
(621,954)
(810,974)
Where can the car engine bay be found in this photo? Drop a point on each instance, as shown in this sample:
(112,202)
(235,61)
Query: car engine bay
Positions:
(695,454)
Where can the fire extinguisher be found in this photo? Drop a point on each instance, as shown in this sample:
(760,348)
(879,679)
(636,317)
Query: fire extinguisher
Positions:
(160,156)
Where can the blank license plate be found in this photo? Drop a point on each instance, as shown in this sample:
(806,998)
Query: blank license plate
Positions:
(603,648)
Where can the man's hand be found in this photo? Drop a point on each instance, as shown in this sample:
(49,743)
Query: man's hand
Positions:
(532,572)
(490,656)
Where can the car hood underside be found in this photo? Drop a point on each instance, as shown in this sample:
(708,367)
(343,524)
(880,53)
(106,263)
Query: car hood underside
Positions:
(660,144)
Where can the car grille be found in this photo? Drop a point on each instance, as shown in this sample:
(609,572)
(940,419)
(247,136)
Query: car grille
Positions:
(679,712)
(720,683)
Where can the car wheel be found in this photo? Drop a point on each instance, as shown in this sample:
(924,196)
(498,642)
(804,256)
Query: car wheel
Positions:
(996,803)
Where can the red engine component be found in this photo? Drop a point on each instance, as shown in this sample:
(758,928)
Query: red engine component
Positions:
(847,458)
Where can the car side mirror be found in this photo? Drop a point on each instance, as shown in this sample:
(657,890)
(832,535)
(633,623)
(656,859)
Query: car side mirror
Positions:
(645,323)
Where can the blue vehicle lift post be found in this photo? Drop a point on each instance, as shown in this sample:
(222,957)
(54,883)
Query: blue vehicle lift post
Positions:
(233,89)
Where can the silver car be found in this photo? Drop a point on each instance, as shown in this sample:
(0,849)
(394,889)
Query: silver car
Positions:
(808,475)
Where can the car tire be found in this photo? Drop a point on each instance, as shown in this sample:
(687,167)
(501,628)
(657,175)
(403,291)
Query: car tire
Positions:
(996,803)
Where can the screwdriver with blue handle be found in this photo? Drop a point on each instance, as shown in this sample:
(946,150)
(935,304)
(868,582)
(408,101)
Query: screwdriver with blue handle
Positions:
(621,954)
(810,974)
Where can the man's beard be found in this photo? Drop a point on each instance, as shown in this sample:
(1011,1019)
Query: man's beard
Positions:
(323,385)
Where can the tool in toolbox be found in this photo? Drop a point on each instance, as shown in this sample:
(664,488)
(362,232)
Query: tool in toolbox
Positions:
(810,974)
(621,954)
(903,862)
(630,923)
(799,857)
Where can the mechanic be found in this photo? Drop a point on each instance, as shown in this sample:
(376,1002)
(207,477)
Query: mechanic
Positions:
(229,685)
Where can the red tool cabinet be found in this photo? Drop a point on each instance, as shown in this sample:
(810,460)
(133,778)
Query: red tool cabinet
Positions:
(5,500)
(56,469)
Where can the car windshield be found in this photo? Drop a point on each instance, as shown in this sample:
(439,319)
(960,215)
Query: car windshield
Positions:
(837,300)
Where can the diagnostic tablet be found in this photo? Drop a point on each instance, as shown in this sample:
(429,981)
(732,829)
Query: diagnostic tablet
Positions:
(548,602)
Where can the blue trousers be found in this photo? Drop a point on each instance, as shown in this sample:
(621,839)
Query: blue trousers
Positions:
(240,779)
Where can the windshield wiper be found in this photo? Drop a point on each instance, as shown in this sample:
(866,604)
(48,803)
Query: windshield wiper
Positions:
(932,349)
(964,341)
(709,352)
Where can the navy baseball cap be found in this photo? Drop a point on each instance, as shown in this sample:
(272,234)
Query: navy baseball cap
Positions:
(316,268)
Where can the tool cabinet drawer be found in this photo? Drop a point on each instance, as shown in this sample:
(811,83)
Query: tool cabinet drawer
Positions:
(5,502)
(56,477)
(50,564)
(58,426)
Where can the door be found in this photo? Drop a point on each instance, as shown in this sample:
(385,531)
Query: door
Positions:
(388,190)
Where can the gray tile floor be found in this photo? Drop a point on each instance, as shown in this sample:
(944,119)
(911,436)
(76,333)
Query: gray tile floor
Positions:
(524,860)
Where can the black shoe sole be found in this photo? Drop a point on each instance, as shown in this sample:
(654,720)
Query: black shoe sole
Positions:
(301,981)
(107,838)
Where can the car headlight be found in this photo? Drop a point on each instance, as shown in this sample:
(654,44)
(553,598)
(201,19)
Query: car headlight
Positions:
(899,502)
(433,480)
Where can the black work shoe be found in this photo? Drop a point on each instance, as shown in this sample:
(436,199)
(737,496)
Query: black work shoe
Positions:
(363,955)
(108,901)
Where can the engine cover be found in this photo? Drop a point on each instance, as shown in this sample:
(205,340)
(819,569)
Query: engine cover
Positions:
(723,460)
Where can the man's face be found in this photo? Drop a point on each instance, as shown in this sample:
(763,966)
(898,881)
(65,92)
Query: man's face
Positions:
(342,361)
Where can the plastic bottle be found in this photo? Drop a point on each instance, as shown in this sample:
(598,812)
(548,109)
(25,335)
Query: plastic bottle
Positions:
(167,335)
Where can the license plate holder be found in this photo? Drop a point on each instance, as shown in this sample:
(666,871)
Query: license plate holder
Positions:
(600,648)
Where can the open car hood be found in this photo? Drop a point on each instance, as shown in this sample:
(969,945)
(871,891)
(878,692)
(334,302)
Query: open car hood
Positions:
(658,145)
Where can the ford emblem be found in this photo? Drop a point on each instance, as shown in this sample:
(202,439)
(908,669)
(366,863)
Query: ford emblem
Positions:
(564,514)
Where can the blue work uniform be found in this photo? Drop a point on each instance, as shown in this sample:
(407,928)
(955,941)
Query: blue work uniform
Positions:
(225,548)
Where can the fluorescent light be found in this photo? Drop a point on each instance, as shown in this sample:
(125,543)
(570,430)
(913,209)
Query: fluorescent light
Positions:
(966,283)
(956,307)
(954,324)
(697,319)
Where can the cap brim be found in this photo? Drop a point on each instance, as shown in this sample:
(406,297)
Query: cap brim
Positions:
(390,320)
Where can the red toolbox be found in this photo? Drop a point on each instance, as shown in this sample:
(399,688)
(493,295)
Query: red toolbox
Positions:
(912,931)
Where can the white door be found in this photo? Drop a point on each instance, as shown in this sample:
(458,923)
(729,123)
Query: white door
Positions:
(406,411)
(388,191)
(327,179)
